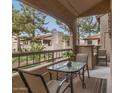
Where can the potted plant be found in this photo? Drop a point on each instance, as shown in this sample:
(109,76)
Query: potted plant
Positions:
(69,55)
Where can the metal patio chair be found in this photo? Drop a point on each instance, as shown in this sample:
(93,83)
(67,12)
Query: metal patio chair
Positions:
(81,57)
(35,83)
(102,55)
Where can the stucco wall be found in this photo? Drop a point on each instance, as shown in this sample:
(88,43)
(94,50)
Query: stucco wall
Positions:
(105,37)
(88,50)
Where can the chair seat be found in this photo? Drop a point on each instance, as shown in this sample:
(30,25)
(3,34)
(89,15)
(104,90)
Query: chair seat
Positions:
(53,84)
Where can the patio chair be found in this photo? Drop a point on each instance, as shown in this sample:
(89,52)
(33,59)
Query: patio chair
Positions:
(102,55)
(81,57)
(35,83)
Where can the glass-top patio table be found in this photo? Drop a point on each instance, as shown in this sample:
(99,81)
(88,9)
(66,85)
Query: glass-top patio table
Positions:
(69,70)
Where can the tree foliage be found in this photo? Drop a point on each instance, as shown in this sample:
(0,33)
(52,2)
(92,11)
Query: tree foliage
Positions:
(35,20)
(87,25)
(18,21)
(68,54)
(37,47)
(62,26)
(66,37)
(27,20)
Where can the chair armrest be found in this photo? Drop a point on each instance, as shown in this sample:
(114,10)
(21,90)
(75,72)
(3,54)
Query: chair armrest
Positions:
(60,85)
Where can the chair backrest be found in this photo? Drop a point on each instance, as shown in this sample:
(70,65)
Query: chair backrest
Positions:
(35,83)
(101,52)
(82,57)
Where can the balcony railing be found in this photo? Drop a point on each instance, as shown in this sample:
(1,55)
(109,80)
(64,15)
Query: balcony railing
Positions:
(24,59)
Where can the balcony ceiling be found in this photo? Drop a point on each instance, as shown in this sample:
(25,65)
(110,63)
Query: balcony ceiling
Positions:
(68,10)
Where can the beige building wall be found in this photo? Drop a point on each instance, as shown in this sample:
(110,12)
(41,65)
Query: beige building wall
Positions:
(57,40)
(88,49)
(105,37)
(14,43)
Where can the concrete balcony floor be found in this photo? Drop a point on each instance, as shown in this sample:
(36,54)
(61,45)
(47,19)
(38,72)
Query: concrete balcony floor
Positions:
(102,72)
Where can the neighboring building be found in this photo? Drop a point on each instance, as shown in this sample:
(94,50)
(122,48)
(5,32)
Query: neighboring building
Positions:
(24,44)
(82,42)
(52,41)
(92,40)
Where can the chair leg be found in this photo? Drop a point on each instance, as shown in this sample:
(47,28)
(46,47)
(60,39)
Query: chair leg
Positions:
(87,71)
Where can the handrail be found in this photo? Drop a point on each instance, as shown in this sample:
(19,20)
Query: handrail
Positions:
(15,54)
(22,59)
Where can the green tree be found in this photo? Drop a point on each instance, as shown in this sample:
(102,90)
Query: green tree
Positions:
(87,25)
(27,20)
(62,26)
(66,37)
(35,20)
(17,25)
(37,47)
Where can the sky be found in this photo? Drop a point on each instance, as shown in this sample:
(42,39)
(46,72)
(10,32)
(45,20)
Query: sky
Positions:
(51,25)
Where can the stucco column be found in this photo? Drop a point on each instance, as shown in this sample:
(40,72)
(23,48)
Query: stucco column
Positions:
(73,35)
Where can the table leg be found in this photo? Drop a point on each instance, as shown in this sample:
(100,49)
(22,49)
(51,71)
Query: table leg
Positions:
(82,78)
(67,76)
(83,84)
(71,83)
(97,56)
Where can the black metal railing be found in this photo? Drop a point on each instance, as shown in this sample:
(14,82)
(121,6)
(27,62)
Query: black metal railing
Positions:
(23,59)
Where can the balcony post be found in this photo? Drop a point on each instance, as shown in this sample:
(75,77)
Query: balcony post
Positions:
(73,36)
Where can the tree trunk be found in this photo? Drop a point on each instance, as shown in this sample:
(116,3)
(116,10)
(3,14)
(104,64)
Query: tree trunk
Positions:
(18,43)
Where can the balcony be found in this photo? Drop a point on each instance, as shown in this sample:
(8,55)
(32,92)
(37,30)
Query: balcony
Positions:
(37,62)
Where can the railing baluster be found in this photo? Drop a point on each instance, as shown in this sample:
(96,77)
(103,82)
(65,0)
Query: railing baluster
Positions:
(44,56)
(47,56)
(56,54)
(53,56)
(33,58)
(18,61)
(27,60)
(39,57)
(59,53)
